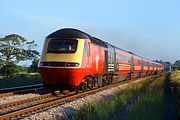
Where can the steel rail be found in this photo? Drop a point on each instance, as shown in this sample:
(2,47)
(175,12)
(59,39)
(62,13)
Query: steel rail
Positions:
(16,90)
(17,105)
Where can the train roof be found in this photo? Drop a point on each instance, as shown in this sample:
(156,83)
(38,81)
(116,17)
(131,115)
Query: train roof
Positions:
(74,33)
(69,33)
(98,41)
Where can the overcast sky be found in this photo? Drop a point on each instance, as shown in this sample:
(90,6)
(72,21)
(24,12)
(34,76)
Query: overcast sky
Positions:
(148,28)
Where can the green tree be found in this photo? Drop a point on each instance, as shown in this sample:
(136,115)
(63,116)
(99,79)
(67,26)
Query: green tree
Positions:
(15,48)
(34,65)
(1,63)
(176,65)
(9,70)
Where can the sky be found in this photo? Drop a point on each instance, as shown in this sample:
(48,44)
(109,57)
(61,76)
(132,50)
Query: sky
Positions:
(149,28)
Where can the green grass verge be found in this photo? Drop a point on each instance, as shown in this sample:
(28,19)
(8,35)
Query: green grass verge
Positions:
(106,109)
(175,90)
(151,105)
(20,80)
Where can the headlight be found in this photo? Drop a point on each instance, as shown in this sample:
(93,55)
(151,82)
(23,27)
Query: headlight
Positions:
(41,64)
(72,64)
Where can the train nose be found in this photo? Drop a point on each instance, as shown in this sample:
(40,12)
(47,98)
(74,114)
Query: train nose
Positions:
(61,77)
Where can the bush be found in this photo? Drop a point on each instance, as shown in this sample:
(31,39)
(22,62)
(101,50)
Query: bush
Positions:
(9,70)
(176,65)
(34,66)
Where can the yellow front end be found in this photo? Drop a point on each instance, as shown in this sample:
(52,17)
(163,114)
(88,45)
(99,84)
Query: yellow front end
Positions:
(63,57)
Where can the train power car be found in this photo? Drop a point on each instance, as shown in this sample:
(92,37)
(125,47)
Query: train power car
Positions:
(74,59)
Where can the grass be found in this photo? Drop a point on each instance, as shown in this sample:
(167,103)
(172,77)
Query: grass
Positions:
(111,109)
(175,90)
(22,79)
(151,105)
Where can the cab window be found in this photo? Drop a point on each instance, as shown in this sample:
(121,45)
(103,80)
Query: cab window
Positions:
(62,46)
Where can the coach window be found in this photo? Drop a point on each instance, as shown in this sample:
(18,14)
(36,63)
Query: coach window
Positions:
(117,57)
(128,61)
(123,59)
(112,54)
(120,57)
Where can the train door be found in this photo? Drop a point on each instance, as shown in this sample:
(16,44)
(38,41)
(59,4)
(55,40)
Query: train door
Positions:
(116,56)
(148,64)
(132,64)
(111,57)
(106,61)
(89,61)
(142,65)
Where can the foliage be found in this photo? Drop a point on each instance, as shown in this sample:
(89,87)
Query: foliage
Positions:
(15,48)
(175,77)
(151,105)
(176,65)
(175,90)
(9,70)
(34,65)
(1,63)
(112,108)
(167,66)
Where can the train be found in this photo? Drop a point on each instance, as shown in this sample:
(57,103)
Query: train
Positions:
(73,59)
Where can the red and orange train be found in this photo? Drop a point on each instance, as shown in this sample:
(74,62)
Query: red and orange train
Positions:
(74,59)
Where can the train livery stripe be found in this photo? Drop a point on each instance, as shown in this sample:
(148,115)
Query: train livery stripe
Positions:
(137,67)
(124,67)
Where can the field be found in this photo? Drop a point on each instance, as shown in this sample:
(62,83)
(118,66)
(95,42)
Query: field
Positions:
(22,79)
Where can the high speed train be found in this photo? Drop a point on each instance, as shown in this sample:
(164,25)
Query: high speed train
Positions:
(74,59)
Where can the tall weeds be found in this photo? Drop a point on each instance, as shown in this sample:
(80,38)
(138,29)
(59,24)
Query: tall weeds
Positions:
(116,107)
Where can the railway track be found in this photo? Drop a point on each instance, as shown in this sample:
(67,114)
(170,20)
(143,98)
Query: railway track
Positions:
(20,90)
(29,106)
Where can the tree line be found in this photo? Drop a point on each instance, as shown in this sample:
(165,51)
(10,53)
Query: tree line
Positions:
(13,49)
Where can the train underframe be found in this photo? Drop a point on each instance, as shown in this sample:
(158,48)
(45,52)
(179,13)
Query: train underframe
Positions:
(99,80)
(92,81)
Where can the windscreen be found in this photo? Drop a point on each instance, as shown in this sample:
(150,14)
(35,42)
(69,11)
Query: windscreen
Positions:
(62,46)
